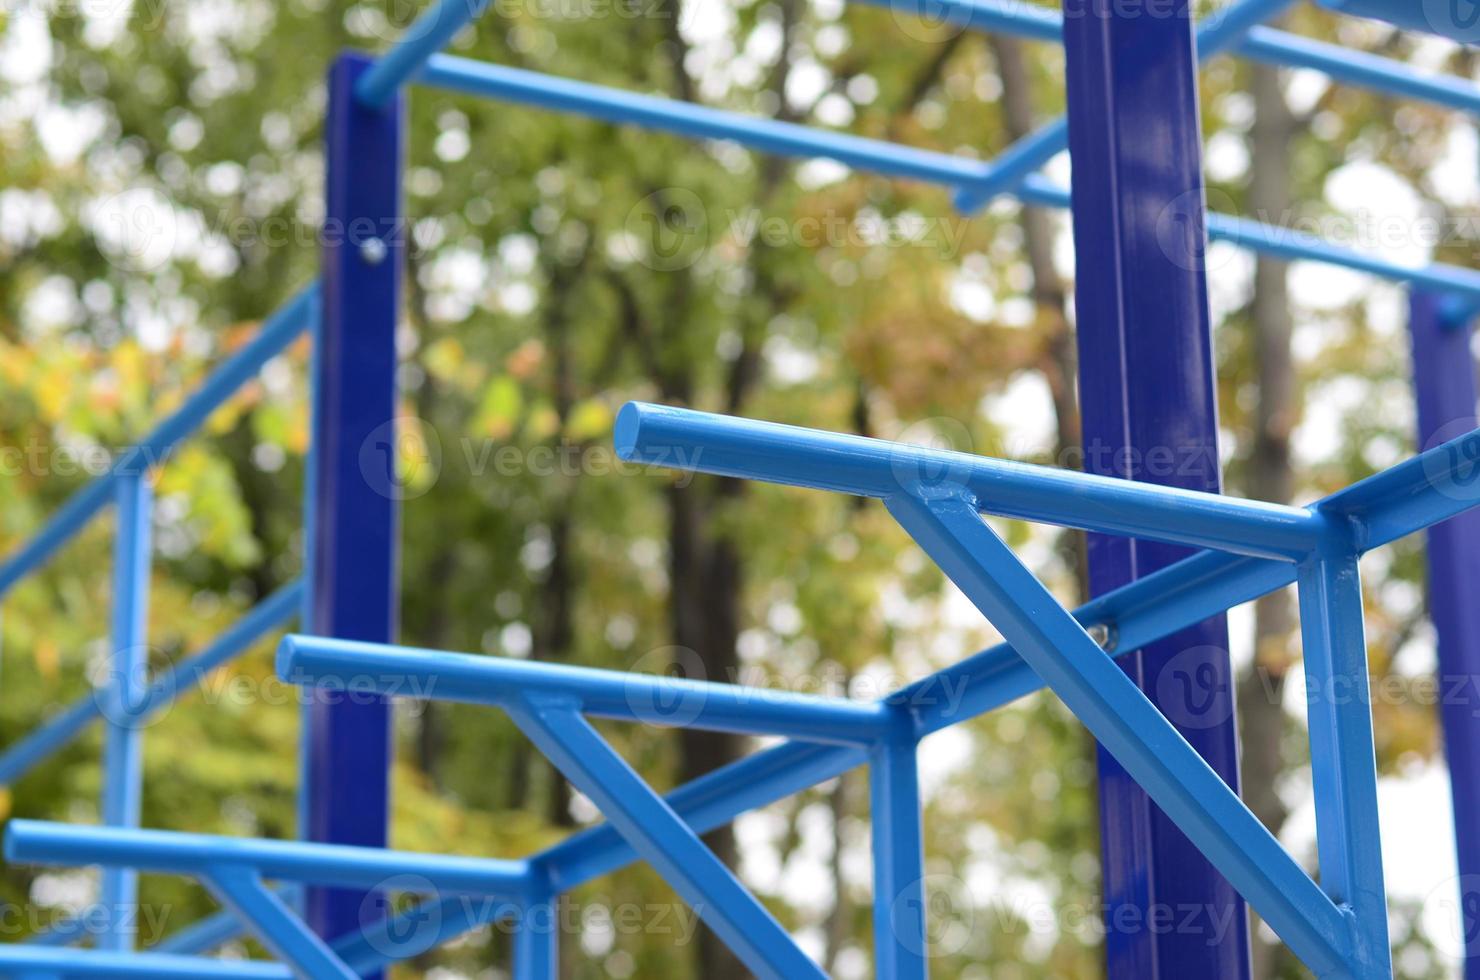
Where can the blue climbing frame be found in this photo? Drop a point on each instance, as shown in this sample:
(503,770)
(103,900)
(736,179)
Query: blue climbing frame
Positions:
(1248,549)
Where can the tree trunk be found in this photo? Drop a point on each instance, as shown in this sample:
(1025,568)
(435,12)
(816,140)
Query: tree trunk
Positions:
(1057,361)
(1261,716)
(705,609)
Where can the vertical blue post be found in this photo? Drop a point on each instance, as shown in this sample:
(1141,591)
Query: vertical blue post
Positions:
(127,686)
(1444,382)
(537,939)
(1147,394)
(1342,758)
(900,937)
(354,574)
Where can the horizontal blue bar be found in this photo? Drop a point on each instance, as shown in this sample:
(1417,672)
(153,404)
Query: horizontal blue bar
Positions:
(1417,493)
(881,157)
(500,681)
(280,330)
(704,442)
(1294,245)
(18,960)
(1360,68)
(700,122)
(38,842)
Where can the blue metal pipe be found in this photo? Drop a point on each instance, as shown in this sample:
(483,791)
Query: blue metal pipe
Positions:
(1446,18)
(699,122)
(123,741)
(279,330)
(1294,245)
(889,159)
(901,935)
(500,681)
(41,842)
(748,449)
(427,35)
(1343,760)
(1416,493)
(18,959)
(1360,68)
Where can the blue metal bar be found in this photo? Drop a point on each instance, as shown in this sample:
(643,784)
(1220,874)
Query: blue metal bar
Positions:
(614,105)
(1434,486)
(280,329)
(1295,245)
(1444,385)
(720,444)
(1342,759)
(77,963)
(502,682)
(123,744)
(890,159)
(356,528)
(1360,68)
(41,842)
(61,729)
(1147,385)
(427,35)
(901,939)
(537,939)
(1100,694)
(271,921)
(661,836)
(1244,34)
(1446,17)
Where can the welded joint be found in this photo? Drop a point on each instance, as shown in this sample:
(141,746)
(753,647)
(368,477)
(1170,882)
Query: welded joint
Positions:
(1343,535)
(1456,311)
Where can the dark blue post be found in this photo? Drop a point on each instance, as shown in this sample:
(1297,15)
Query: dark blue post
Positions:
(356,521)
(1444,381)
(1148,400)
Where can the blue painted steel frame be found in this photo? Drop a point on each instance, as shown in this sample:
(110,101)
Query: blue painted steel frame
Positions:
(1147,393)
(1375,508)
(1444,383)
(1340,933)
(356,520)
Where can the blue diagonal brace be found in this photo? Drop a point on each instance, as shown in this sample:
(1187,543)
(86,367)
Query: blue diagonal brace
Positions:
(661,837)
(270,920)
(1129,726)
